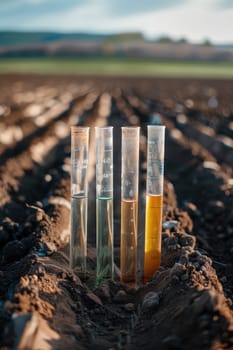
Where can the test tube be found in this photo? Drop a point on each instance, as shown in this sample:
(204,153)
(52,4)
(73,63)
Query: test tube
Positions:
(154,199)
(129,204)
(104,203)
(79,197)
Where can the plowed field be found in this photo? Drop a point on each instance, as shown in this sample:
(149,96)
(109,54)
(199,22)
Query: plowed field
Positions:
(43,303)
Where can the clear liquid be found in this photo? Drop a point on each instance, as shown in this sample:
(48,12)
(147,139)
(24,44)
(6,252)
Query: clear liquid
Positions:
(129,233)
(152,256)
(78,239)
(104,239)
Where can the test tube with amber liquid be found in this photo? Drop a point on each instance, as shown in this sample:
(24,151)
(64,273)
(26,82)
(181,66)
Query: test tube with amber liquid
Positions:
(154,199)
(129,204)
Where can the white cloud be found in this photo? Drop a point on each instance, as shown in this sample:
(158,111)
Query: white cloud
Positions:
(195,20)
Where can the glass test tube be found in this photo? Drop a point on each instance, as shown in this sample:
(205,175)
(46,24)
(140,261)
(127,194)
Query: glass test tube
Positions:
(79,197)
(154,199)
(104,203)
(129,203)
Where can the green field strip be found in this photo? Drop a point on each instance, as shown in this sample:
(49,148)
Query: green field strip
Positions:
(124,67)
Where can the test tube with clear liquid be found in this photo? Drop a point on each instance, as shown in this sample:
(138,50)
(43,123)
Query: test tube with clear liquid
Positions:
(104,204)
(79,197)
(154,199)
(129,204)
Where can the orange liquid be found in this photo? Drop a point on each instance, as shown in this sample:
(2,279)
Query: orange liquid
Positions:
(152,256)
(129,233)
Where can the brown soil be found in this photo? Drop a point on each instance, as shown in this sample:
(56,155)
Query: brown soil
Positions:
(188,303)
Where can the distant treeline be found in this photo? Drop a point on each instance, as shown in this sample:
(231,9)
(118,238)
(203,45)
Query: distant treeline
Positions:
(11,38)
(50,44)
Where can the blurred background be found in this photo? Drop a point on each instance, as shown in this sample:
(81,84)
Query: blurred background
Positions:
(163,37)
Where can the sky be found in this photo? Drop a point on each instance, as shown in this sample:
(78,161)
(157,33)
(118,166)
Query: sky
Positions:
(195,20)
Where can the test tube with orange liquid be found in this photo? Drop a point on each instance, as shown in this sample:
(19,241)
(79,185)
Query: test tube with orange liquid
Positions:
(154,199)
(129,204)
